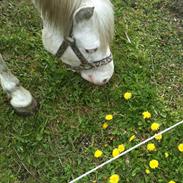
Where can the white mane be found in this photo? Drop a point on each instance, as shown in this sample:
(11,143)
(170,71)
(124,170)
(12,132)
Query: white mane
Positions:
(59,13)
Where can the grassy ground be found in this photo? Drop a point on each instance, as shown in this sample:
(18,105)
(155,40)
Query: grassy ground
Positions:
(57,144)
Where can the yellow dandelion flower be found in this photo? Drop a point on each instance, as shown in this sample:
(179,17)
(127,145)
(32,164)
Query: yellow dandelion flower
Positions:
(133,137)
(105,125)
(98,153)
(158,137)
(154,164)
(180,147)
(147,171)
(146,115)
(151,147)
(166,154)
(172,181)
(155,126)
(109,117)
(115,152)
(127,95)
(121,148)
(114,178)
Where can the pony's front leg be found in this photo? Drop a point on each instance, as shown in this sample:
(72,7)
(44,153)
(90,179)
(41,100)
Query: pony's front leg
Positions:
(20,98)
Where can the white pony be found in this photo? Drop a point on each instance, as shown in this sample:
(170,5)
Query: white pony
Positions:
(79,33)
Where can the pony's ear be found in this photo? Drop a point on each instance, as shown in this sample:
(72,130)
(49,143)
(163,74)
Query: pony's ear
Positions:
(83,13)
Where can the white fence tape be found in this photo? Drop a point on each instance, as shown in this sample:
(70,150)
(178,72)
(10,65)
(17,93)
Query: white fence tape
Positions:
(125,152)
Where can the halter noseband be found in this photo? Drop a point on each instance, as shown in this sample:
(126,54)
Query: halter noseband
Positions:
(85,64)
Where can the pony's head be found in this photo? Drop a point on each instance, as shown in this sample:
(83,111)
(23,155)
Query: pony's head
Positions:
(92,23)
(93,32)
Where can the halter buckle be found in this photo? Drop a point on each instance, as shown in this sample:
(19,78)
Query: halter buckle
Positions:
(70,41)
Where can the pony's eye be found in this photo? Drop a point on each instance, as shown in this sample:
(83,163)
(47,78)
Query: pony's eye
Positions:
(91,50)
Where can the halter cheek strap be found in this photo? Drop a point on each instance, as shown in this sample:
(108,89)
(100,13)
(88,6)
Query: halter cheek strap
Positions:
(85,64)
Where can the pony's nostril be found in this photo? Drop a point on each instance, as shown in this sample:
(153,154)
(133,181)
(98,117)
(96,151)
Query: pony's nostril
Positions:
(105,80)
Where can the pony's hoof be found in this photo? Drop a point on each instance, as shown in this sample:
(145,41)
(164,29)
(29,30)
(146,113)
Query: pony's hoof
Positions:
(28,110)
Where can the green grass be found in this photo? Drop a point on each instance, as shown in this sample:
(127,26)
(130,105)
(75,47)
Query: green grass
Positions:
(57,144)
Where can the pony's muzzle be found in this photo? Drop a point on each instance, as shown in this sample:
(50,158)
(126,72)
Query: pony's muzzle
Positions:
(93,80)
(99,76)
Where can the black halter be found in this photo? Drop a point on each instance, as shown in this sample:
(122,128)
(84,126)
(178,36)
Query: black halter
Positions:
(85,64)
